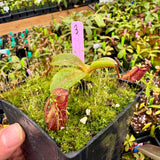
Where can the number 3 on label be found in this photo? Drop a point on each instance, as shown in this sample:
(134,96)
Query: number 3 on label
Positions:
(76,28)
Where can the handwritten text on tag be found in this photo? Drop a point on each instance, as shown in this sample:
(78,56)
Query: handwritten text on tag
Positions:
(77,39)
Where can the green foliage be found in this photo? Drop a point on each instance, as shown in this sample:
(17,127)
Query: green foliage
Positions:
(68,60)
(69,76)
(66,78)
(130,139)
(134,156)
(99,20)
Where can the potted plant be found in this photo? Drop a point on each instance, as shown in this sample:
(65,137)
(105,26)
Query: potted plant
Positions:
(106,143)
(45,43)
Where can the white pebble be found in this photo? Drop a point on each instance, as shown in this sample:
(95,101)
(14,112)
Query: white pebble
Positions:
(83,120)
(117,105)
(88,112)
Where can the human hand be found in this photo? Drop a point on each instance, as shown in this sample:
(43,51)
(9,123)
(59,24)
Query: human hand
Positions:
(11,138)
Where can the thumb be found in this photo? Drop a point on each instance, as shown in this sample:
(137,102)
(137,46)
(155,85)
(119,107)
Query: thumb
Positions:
(11,138)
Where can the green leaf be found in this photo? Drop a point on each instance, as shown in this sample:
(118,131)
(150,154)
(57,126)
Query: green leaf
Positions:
(149,111)
(155,51)
(36,53)
(102,63)
(155,106)
(155,36)
(105,37)
(116,37)
(132,138)
(155,15)
(130,50)
(147,5)
(110,29)
(120,46)
(127,148)
(99,20)
(11,75)
(152,132)
(89,22)
(15,62)
(151,151)
(147,92)
(151,100)
(89,32)
(68,59)
(66,78)
(144,50)
(100,50)
(138,48)
(141,105)
(157,112)
(121,54)
(65,3)
(22,63)
(147,126)
(149,18)
(45,31)
(58,25)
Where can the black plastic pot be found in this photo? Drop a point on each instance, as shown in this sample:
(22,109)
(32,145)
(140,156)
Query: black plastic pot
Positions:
(21,52)
(139,134)
(145,136)
(147,139)
(106,145)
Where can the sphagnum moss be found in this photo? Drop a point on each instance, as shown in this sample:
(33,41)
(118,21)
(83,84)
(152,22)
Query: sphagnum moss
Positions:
(103,98)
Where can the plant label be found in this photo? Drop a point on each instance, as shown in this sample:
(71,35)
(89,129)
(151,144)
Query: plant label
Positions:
(3,51)
(101,1)
(96,46)
(77,39)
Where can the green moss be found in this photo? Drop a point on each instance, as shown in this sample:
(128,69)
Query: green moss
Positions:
(101,97)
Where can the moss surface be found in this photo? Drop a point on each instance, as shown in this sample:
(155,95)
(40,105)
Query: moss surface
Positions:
(103,97)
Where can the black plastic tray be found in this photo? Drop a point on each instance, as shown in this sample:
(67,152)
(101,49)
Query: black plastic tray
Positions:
(35,12)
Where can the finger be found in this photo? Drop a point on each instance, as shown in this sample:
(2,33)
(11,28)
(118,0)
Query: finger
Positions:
(11,138)
(17,155)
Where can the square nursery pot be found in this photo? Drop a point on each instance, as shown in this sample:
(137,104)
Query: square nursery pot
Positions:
(106,145)
(139,134)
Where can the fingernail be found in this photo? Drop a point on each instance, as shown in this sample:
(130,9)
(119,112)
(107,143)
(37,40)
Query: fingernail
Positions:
(13,136)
